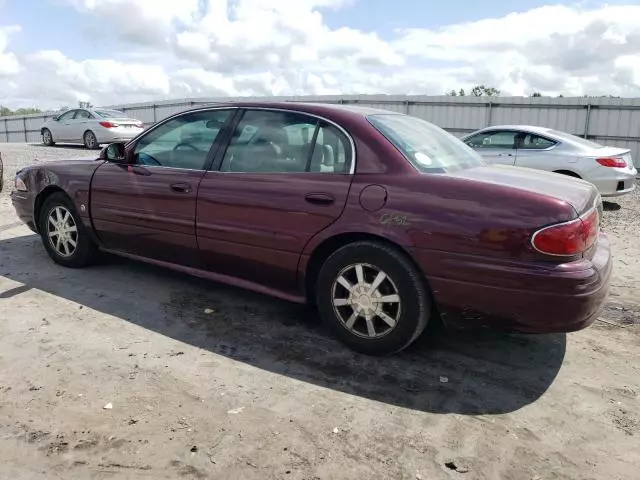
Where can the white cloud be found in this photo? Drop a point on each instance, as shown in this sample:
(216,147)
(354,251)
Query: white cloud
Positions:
(285,47)
(9,64)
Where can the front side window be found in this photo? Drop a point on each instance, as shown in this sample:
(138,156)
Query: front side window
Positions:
(82,114)
(429,148)
(182,142)
(67,116)
(268,141)
(495,139)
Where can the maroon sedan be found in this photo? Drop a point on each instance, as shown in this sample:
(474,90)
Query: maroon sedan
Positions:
(383,220)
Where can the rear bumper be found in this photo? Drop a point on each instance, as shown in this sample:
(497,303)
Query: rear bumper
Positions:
(619,184)
(528,299)
(106,135)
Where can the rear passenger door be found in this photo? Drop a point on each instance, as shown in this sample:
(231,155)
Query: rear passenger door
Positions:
(79,124)
(535,151)
(283,178)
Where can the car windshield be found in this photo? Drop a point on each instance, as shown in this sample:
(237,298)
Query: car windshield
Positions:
(429,148)
(575,139)
(110,113)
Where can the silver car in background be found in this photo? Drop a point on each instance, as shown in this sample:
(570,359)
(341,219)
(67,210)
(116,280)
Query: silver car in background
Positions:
(90,127)
(610,169)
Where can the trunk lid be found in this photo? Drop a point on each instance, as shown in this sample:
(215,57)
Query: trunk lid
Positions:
(611,152)
(581,195)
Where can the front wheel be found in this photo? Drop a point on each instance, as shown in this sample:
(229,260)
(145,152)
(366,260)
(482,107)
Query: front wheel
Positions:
(63,234)
(373,298)
(47,137)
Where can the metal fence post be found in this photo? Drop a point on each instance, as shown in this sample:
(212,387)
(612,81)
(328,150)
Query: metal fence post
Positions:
(407,107)
(489,109)
(24,125)
(6,128)
(155,108)
(586,121)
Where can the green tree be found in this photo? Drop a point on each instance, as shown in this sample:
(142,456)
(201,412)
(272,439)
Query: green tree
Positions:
(5,111)
(452,93)
(482,90)
(85,105)
(462,92)
(536,94)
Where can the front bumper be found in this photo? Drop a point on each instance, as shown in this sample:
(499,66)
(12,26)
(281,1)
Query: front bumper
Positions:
(529,299)
(23,204)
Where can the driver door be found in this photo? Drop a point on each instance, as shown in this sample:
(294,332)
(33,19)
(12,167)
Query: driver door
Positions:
(495,146)
(148,206)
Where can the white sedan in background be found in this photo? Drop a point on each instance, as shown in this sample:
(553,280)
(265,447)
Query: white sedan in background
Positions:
(90,127)
(610,169)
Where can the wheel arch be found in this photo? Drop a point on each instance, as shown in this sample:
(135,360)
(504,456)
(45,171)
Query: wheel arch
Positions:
(41,198)
(569,173)
(331,244)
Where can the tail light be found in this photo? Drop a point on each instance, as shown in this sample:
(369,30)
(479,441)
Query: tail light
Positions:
(568,238)
(615,162)
(109,124)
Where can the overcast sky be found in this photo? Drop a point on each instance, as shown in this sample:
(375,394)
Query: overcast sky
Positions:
(58,52)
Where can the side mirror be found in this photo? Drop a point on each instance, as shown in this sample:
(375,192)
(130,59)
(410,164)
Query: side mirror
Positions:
(114,152)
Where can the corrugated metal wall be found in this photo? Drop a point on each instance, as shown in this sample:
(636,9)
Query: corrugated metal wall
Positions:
(611,121)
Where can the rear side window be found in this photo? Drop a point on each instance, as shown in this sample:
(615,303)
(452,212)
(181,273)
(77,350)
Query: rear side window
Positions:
(270,141)
(531,141)
(429,148)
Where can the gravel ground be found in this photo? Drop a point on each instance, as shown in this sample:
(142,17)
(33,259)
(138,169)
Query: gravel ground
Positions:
(123,370)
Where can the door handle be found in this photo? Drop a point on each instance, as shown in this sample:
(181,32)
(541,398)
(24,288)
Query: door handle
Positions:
(181,187)
(505,154)
(319,198)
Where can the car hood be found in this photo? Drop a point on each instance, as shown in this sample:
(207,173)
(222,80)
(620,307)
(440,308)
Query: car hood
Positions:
(581,195)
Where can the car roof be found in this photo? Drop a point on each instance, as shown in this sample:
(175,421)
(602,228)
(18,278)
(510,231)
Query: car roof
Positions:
(524,128)
(311,107)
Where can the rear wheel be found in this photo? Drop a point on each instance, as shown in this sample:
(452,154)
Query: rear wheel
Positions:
(373,298)
(63,234)
(90,140)
(47,138)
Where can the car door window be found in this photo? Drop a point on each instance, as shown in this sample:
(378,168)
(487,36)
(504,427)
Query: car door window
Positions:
(66,116)
(182,142)
(535,142)
(82,115)
(495,139)
(283,142)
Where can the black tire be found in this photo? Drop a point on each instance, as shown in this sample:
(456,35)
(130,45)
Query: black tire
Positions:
(90,140)
(47,137)
(415,301)
(85,251)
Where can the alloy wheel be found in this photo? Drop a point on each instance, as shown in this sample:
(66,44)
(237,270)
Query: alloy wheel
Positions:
(62,231)
(366,301)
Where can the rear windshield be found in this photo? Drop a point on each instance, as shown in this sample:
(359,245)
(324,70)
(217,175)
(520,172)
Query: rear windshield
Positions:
(573,138)
(110,113)
(429,148)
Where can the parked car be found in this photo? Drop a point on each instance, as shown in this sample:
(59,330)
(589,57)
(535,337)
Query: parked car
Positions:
(384,221)
(90,127)
(610,169)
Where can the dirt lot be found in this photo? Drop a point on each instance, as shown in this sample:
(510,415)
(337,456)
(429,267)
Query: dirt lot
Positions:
(127,371)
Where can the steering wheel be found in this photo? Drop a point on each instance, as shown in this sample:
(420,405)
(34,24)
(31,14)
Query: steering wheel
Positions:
(184,144)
